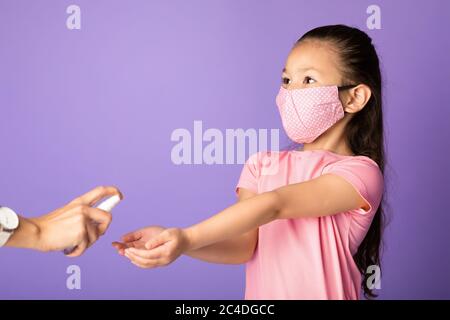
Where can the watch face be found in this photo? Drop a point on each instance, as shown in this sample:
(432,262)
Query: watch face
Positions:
(8,218)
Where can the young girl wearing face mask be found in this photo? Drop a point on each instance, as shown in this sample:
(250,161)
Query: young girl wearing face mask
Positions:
(308,222)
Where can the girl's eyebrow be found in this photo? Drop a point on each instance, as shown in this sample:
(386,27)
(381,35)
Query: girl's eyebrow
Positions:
(303,69)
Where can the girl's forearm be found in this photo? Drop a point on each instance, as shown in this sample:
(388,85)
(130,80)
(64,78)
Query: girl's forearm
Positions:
(237,250)
(234,220)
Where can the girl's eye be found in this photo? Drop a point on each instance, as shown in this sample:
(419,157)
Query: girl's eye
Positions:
(309,80)
(285,80)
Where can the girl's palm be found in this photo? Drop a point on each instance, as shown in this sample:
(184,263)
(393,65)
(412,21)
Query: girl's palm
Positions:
(138,238)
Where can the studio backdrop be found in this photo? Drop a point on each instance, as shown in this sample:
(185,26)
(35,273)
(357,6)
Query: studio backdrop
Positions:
(129,93)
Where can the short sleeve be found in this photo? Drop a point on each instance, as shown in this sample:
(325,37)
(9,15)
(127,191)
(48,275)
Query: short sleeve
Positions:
(250,174)
(365,176)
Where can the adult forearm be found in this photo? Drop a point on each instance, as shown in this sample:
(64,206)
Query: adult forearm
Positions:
(26,236)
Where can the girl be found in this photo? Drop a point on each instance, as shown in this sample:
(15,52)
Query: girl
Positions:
(308,222)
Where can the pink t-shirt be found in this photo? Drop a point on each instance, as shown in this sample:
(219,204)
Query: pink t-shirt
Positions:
(309,258)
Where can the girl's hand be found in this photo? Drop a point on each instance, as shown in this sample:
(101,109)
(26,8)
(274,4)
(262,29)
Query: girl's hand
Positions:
(160,250)
(137,239)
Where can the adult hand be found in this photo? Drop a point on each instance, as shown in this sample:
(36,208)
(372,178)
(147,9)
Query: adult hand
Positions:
(76,225)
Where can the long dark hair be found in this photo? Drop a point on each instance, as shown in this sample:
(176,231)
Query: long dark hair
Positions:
(360,64)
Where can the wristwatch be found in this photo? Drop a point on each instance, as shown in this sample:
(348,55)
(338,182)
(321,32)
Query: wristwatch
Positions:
(9,222)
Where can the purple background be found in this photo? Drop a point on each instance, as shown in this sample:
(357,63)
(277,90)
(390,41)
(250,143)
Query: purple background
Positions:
(98,105)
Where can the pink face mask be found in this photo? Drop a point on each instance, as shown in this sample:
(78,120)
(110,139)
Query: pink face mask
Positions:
(309,112)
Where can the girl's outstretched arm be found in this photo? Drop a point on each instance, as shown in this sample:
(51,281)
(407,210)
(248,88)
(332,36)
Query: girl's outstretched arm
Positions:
(326,195)
(235,250)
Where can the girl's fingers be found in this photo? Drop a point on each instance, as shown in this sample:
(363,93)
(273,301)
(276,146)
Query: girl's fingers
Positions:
(146,263)
(132,236)
(118,245)
(136,244)
(148,254)
(160,239)
(138,265)
(121,247)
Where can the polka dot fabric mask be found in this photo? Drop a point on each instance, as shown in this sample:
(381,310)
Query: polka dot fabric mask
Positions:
(307,113)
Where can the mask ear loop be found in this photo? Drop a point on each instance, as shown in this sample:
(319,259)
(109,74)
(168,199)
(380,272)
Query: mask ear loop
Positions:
(346,87)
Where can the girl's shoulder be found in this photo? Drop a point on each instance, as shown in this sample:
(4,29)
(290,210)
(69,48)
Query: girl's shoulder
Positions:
(328,160)
(335,158)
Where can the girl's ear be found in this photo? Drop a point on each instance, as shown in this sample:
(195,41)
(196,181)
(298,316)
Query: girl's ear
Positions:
(356,98)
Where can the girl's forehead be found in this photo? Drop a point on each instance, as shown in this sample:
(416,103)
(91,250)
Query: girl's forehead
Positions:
(313,55)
